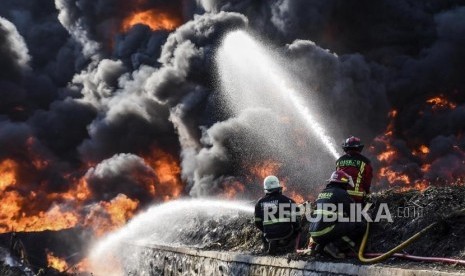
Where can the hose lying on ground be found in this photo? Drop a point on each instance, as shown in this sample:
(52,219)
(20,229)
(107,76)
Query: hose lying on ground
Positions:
(384,256)
(421,258)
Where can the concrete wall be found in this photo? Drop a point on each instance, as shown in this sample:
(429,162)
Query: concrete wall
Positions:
(163,260)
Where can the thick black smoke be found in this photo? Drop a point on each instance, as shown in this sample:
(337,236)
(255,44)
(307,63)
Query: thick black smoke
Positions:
(387,56)
(95,101)
(124,173)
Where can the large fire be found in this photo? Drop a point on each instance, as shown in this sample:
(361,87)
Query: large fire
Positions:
(75,206)
(395,175)
(24,209)
(392,168)
(14,218)
(155,19)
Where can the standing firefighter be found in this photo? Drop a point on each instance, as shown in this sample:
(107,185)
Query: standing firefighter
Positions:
(328,230)
(357,166)
(276,216)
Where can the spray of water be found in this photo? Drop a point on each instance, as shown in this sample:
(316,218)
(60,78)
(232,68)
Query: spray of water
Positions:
(313,124)
(252,77)
(170,224)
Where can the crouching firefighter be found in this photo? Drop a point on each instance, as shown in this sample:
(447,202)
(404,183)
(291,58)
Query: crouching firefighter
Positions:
(332,228)
(277,216)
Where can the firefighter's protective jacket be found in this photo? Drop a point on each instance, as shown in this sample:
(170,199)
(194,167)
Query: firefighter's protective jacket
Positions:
(359,168)
(283,222)
(333,195)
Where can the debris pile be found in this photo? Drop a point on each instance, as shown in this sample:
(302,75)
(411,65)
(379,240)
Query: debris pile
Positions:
(411,211)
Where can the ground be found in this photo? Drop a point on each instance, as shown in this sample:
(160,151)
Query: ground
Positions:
(412,211)
(445,240)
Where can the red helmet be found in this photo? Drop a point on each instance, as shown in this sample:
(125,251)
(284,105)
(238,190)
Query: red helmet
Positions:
(352,143)
(340,176)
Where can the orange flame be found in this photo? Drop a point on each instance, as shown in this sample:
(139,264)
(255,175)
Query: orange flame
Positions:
(390,128)
(393,176)
(271,167)
(231,190)
(36,210)
(18,210)
(56,262)
(425,168)
(13,218)
(265,168)
(7,174)
(296,196)
(441,103)
(387,155)
(120,209)
(419,185)
(109,216)
(168,172)
(37,161)
(156,20)
(81,191)
(424,149)
(392,113)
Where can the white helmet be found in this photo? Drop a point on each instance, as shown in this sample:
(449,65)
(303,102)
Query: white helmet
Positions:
(271,182)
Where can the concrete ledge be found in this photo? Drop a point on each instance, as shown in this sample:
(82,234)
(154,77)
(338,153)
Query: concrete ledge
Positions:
(161,259)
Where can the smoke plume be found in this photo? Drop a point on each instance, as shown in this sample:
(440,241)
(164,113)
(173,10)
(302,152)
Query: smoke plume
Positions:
(111,98)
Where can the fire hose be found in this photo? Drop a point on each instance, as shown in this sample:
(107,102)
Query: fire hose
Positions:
(378,257)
